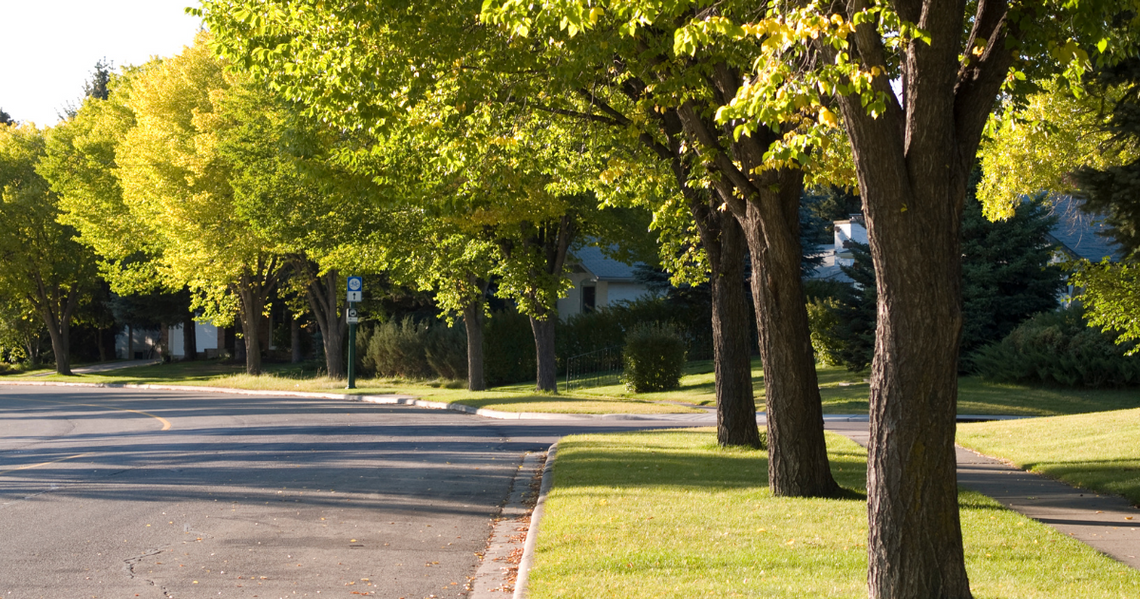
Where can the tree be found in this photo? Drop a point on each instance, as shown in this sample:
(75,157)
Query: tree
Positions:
(5,119)
(44,266)
(913,152)
(1007,276)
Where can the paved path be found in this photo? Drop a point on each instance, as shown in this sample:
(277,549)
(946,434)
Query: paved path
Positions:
(1108,523)
(103,367)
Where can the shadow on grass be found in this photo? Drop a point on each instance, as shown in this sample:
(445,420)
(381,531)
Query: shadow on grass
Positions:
(654,464)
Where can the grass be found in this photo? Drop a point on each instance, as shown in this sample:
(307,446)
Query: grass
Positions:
(670,514)
(1091,451)
(841,392)
(308,377)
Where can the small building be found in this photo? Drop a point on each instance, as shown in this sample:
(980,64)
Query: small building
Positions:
(599,281)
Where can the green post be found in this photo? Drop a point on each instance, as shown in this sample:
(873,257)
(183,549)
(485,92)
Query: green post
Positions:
(351,356)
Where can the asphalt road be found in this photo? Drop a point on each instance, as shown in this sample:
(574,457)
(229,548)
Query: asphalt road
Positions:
(123,493)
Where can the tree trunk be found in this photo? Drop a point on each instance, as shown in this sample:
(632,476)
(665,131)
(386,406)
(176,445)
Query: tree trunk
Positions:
(323,295)
(295,341)
(189,338)
(797,460)
(59,331)
(912,160)
(473,323)
(547,366)
(736,405)
(130,342)
(100,334)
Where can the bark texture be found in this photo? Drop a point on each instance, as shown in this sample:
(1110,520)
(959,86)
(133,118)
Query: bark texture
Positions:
(324,296)
(547,371)
(766,204)
(913,162)
(56,306)
(473,324)
(253,288)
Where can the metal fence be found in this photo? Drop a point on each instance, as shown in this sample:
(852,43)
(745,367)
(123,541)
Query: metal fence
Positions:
(594,369)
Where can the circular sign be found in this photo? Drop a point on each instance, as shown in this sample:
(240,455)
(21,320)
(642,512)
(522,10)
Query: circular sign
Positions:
(354,284)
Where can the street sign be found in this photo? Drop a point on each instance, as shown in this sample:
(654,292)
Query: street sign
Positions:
(352,316)
(355,289)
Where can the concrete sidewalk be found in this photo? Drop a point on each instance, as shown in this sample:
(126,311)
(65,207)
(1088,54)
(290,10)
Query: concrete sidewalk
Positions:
(104,367)
(1107,523)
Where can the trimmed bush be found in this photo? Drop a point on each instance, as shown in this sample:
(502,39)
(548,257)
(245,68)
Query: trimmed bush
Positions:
(1058,348)
(654,358)
(397,348)
(822,321)
(508,348)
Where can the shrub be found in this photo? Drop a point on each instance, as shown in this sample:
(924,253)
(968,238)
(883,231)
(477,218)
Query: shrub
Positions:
(822,321)
(654,357)
(508,348)
(446,351)
(1058,348)
(398,348)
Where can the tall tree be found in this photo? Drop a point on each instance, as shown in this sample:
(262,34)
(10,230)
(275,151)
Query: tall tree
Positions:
(43,265)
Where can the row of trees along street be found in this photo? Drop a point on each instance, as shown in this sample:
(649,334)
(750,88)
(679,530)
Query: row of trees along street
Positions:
(452,146)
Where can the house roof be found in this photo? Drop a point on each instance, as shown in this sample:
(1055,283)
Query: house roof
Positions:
(604,268)
(1080,234)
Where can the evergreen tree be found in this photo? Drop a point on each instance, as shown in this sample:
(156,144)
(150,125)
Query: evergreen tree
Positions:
(5,119)
(1006,278)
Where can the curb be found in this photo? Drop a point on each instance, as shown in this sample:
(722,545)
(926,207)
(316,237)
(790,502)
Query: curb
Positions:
(493,579)
(532,532)
(406,400)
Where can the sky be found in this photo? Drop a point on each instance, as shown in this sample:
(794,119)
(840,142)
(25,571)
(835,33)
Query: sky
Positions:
(48,48)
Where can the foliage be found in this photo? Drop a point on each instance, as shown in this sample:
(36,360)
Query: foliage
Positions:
(823,319)
(654,357)
(609,326)
(397,348)
(1112,297)
(1007,275)
(1058,348)
(1039,144)
(45,269)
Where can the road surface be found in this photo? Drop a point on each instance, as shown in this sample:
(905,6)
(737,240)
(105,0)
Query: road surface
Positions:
(131,493)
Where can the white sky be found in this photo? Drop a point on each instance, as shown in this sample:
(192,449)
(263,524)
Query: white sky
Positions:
(48,48)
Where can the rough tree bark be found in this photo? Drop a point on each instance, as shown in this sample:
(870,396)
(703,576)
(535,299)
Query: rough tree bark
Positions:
(766,204)
(57,306)
(253,289)
(324,296)
(473,324)
(295,340)
(913,162)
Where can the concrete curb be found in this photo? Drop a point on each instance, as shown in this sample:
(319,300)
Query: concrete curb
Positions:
(406,400)
(492,579)
(532,532)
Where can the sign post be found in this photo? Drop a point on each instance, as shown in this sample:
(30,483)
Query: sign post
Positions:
(355,293)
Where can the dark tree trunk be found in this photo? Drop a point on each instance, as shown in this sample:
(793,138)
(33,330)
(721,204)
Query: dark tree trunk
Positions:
(324,296)
(766,204)
(913,161)
(547,366)
(253,289)
(295,341)
(189,338)
(99,334)
(473,323)
(61,345)
(130,342)
(797,462)
(736,405)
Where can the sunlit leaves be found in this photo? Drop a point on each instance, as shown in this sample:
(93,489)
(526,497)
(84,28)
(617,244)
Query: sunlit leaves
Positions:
(1111,298)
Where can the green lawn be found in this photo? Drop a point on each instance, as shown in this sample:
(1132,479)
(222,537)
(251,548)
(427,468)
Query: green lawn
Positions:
(842,392)
(670,514)
(306,377)
(1094,451)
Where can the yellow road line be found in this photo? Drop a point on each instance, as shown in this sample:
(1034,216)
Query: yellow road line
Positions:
(165,422)
(30,466)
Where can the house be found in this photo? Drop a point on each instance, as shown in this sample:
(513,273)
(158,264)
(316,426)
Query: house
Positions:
(838,255)
(134,343)
(599,281)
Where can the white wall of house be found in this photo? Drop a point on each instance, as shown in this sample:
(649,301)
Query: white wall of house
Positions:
(205,337)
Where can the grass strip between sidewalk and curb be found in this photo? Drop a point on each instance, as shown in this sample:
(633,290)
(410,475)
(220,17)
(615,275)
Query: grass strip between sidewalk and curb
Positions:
(1090,451)
(671,514)
(841,392)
